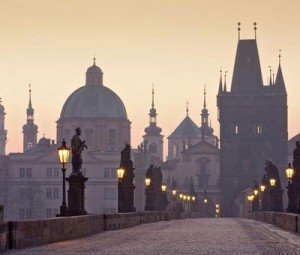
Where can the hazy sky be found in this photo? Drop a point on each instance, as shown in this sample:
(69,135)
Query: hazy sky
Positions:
(178,45)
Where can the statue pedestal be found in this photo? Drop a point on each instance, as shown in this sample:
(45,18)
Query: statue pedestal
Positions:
(76,194)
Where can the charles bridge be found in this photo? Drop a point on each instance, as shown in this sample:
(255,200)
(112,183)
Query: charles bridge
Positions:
(165,233)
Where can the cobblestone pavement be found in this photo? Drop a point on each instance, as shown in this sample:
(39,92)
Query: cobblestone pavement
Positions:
(190,236)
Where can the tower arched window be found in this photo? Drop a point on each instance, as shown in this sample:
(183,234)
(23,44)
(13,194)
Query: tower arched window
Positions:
(152,148)
(236,129)
(174,150)
(259,129)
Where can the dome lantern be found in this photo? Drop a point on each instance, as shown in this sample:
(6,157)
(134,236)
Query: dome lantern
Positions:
(94,75)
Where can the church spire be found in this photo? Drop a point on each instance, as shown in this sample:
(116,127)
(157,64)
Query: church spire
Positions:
(3,131)
(270,78)
(239,30)
(187,108)
(152,96)
(204,95)
(225,86)
(279,82)
(220,83)
(30,110)
(152,113)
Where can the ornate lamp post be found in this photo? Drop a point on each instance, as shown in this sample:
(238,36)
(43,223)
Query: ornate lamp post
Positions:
(289,172)
(64,155)
(255,203)
(120,174)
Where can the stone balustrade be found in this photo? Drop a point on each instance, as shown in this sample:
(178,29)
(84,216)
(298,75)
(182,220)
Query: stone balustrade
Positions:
(287,221)
(20,234)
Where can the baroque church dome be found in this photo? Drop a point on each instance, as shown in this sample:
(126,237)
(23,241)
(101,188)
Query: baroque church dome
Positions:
(93,100)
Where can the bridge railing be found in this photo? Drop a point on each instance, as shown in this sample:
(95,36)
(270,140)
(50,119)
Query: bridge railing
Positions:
(287,221)
(21,234)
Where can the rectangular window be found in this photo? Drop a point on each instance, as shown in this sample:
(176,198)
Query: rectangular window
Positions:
(28,172)
(22,213)
(22,172)
(48,212)
(106,193)
(49,172)
(113,173)
(22,193)
(106,172)
(114,194)
(55,193)
(55,172)
(48,193)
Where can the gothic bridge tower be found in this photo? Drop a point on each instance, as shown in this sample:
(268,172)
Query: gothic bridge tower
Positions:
(253,125)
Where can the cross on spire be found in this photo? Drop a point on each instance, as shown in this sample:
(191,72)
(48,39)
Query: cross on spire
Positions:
(94,59)
(279,56)
(187,108)
(255,28)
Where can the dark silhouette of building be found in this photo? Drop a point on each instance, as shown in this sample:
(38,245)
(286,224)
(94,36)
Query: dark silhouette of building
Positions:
(253,124)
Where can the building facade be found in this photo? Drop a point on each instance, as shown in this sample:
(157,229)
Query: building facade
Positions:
(253,125)
(33,178)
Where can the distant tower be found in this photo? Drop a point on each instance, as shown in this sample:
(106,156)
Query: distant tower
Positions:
(3,132)
(253,126)
(206,129)
(30,130)
(153,139)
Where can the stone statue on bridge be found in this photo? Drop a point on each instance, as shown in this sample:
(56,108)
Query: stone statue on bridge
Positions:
(77,146)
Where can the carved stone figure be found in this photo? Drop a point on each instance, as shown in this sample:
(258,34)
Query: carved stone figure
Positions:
(77,146)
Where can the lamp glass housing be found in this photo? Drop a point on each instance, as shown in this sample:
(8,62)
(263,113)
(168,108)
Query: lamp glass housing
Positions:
(184,197)
(272,182)
(63,153)
(180,196)
(163,187)
(205,200)
(147,181)
(262,187)
(193,198)
(289,172)
(255,191)
(188,198)
(120,172)
(174,191)
(217,206)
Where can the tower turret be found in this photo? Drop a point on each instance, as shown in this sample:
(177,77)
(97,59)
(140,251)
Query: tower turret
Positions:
(153,139)
(3,132)
(30,129)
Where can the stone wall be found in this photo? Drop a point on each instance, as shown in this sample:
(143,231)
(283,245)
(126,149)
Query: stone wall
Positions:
(287,221)
(20,234)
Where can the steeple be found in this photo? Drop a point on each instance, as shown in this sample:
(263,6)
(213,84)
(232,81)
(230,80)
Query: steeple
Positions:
(3,132)
(30,110)
(187,108)
(279,82)
(246,78)
(205,129)
(255,28)
(153,140)
(270,77)
(152,113)
(30,129)
(220,83)
(225,78)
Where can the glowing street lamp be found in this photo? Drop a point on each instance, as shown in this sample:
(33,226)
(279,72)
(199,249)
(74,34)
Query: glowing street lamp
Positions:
(188,198)
(272,182)
(63,155)
(174,191)
(205,200)
(184,197)
(147,181)
(262,187)
(217,206)
(163,187)
(180,196)
(120,173)
(193,198)
(289,172)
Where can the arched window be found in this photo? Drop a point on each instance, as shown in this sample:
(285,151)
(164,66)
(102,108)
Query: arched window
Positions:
(174,150)
(259,129)
(152,148)
(112,137)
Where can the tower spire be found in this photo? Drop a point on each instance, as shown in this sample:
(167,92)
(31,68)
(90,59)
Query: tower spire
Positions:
(279,56)
(220,83)
(204,94)
(239,30)
(187,108)
(270,78)
(30,103)
(255,28)
(94,60)
(225,86)
(152,95)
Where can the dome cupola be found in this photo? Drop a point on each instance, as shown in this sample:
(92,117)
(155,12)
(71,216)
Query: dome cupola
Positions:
(94,75)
